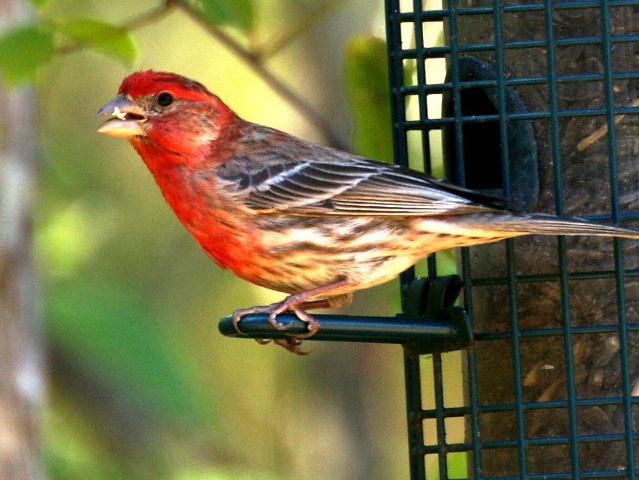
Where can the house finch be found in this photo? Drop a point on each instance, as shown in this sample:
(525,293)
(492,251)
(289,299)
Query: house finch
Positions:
(297,217)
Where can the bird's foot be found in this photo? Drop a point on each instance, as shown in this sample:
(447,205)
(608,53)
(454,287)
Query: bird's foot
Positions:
(291,303)
(297,303)
(238,314)
(293,341)
(292,345)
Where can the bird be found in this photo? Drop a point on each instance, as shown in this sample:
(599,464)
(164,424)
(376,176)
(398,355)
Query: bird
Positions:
(313,222)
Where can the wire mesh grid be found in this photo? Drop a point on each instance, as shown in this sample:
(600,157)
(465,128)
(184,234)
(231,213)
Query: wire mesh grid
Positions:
(550,387)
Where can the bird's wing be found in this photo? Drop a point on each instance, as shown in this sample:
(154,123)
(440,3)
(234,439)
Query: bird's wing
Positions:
(271,181)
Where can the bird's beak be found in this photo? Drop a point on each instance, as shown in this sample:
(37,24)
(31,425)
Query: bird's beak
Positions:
(126,118)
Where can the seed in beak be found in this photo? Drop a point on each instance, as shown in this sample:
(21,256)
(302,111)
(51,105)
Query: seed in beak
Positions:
(119,113)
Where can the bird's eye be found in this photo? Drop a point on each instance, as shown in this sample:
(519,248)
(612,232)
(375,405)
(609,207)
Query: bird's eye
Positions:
(164,99)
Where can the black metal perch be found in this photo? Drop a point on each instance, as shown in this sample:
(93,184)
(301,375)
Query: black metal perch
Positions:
(433,324)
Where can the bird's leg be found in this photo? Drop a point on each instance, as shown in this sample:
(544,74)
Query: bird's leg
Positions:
(293,342)
(298,303)
(336,301)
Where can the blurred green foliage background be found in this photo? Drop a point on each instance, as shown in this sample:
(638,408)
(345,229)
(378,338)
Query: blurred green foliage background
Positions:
(142,386)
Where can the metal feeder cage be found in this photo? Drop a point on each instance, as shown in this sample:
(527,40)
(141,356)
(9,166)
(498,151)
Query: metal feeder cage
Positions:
(537,106)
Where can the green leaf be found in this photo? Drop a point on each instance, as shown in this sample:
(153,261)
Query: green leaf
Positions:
(109,39)
(39,3)
(366,83)
(236,13)
(22,51)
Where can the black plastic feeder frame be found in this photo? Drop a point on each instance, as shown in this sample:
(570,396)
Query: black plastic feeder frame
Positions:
(537,107)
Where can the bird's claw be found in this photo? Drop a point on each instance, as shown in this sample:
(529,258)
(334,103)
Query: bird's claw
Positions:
(296,303)
(292,345)
(272,319)
(294,340)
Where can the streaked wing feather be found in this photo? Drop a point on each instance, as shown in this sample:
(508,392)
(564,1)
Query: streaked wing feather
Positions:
(341,184)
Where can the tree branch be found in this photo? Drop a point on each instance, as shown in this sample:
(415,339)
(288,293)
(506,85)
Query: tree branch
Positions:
(254,57)
(149,16)
(267,50)
(135,23)
(275,83)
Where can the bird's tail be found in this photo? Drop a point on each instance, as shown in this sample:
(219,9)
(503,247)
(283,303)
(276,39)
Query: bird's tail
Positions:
(542,224)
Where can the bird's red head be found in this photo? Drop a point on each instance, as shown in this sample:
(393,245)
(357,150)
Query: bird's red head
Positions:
(165,115)
(149,82)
